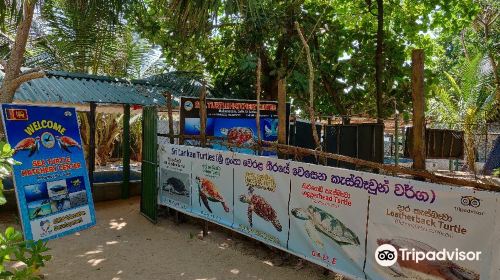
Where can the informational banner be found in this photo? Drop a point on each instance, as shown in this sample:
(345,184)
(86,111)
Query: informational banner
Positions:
(327,220)
(51,183)
(213,187)
(233,120)
(362,225)
(175,188)
(261,193)
(454,222)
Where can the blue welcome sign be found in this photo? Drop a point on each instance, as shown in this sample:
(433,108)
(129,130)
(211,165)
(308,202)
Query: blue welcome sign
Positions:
(51,183)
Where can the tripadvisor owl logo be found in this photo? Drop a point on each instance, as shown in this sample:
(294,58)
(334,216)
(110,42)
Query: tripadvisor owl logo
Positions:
(386,255)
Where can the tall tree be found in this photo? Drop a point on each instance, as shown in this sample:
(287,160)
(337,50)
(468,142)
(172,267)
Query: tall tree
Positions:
(13,76)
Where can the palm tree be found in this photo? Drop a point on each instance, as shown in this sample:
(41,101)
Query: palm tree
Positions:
(465,103)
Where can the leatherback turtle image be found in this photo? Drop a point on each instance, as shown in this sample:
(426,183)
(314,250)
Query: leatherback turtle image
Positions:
(175,186)
(319,221)
(209,192)
(261,207)
(425,269)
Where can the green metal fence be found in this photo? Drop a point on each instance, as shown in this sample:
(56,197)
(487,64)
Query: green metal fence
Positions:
(149,203)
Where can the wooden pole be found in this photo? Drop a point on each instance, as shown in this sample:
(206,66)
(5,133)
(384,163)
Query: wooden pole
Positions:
(170,118)
(396,134)
(203,115)
(203,133)
(126,152)
(282,113)
(257,94)
(92,116)
(417,85)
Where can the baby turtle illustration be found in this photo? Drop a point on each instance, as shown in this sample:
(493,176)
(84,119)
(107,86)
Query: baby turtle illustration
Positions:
(175,186)
(28,144)
(261,207)
(437,269)
(208,191)
(320,221)
(238,135)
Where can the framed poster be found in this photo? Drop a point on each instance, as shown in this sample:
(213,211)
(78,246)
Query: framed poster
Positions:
(51,182)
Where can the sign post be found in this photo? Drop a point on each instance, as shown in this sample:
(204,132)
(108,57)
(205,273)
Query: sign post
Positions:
(51,183)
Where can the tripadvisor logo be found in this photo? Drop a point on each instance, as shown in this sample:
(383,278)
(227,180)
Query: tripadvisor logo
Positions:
(388,255)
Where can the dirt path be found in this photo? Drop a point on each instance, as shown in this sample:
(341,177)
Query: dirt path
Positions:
(124,245)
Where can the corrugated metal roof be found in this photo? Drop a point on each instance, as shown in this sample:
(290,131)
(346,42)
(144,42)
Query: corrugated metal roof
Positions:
(76,88)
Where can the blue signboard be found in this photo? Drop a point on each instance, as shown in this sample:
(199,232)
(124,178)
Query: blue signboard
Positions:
(234,121)
(51,183)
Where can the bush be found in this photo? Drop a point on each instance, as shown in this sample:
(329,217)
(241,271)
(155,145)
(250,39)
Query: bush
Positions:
(13,248)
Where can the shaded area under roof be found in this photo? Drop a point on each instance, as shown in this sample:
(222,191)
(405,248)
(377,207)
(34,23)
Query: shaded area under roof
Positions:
(77,88)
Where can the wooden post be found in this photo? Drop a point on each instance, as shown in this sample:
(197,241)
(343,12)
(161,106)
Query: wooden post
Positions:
(396,134)
(417,85)
(170,118)
(282,114)
(203,115)
(126,152)
(257,95)
(92,116)
(203,136)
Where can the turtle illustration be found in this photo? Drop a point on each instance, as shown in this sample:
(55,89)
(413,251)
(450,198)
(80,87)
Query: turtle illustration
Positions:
(320,221)
(425,269)
(65,142)
(175,186)
(261,207)
(238,135)
(208,191)
(28,144)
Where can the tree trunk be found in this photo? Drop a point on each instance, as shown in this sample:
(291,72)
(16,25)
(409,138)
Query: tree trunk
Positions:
(13,68)
(379,58)
(417,84)
(13,77)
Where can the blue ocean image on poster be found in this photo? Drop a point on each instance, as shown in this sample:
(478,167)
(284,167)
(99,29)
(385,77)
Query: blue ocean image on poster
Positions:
(36,192)
(47,143)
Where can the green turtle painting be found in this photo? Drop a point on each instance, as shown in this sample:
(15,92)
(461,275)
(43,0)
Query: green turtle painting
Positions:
(317,220)
(261,207)
(209,192)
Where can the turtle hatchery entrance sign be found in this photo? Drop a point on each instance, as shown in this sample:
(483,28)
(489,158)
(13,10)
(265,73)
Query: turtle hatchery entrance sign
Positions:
(362,225)
(233,120)
(51,182)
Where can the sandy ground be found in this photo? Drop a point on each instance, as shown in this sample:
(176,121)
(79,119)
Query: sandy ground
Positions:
(125,245)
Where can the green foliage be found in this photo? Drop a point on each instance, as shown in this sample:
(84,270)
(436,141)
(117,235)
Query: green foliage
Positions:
(496,172)
(223,38)
(6,163)
(463,102)
(13,250)
(12,247)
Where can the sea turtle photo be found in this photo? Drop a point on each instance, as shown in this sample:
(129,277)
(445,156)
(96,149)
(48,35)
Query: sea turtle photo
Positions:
(175,186)
(425,269)
(238,135)
(261,207)
(209,192)
(317,220)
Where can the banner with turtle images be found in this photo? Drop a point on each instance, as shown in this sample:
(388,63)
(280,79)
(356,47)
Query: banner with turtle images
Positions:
(174,180)
(51,181)
(212,187)
(337,218)
(327,219)
(422,231)
(261,194)
(233,120)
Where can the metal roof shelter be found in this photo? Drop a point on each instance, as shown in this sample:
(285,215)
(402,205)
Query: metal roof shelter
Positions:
(60,87)
(86,91)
